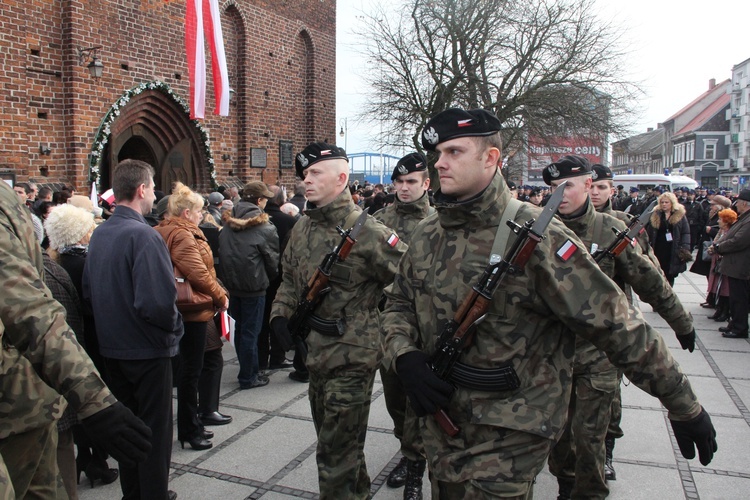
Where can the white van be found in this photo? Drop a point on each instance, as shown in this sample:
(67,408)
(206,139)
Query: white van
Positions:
(646,181)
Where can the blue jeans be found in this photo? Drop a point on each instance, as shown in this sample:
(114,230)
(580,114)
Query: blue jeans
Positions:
(248,313)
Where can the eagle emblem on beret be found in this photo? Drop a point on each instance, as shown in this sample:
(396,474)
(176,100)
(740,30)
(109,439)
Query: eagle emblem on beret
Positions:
(403,170)
(430,135)
(594,175)
(302,160)
(553,171)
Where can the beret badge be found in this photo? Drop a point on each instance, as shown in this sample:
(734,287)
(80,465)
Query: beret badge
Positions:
(431,136)
(303,160)
(554,172)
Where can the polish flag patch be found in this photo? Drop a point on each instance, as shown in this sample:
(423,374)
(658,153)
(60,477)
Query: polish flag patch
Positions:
(465,123)
(566,251)
(393,239)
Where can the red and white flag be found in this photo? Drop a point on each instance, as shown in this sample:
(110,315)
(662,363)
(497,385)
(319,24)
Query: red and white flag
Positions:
(566,251)
(203,19)
(227,327)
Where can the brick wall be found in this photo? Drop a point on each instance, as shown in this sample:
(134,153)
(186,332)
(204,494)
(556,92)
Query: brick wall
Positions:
(281,58)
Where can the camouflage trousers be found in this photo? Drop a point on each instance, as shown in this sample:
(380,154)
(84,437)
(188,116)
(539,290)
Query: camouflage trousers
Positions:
(614,430)
(580,452)
(481,490)
(405,423)
(28,465)
(340,405)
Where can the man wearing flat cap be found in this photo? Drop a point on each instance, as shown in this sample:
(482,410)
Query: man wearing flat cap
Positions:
(344,343)
(734,249)
(505,436)
(578,458)
(412,205)
(249,260)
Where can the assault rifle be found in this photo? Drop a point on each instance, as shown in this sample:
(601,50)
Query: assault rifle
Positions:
(318,287)
(458,333)
(626,236)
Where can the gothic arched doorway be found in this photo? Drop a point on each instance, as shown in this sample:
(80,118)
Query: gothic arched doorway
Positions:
(151,124)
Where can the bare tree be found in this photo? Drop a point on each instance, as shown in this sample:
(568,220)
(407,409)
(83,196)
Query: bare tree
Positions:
(547,68)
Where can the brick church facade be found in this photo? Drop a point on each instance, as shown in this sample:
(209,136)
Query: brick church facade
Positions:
(60,125)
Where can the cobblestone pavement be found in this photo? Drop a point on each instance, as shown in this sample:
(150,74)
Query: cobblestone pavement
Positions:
(268,451)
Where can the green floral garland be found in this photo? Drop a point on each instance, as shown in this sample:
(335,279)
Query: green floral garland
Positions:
(104,132)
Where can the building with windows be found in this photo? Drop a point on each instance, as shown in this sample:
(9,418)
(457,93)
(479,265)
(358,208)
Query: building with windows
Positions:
(738,115)
(700,149)
(639,154)
(693,141)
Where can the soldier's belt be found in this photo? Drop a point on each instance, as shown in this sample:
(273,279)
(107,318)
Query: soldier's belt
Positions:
(327,327)
(503,378)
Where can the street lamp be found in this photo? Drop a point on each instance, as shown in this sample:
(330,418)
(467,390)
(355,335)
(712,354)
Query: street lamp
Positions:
(344,131)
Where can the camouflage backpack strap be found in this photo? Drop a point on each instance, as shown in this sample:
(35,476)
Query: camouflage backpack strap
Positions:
(503,230)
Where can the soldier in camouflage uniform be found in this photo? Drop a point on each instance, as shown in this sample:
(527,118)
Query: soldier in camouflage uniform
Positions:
(43,369)
(578,459)
(346,350)
(506,436)
(411,206)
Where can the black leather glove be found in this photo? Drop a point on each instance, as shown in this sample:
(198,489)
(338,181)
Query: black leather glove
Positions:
(121,433)
(699,432)
(280,328)
(427,392)
(687,341)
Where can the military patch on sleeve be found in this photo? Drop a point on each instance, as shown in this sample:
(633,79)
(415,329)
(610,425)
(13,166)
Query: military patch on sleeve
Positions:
(566,251)
(393,239)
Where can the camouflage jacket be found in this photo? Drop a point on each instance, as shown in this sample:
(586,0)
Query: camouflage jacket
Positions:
(531,325)
(41,364)
(630,267)
(356,284)
(404,217)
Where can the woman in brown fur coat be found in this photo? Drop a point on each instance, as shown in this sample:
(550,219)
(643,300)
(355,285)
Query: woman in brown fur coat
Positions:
(669,234)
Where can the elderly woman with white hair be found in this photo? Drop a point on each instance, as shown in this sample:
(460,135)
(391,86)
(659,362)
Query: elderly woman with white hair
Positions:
(69,229)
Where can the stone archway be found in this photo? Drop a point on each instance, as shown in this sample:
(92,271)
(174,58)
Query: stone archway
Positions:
(153,126)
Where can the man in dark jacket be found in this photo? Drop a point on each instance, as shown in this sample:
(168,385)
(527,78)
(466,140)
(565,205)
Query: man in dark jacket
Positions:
(268,344)
(249,259)
(696,216)
(734,249)
(129,280)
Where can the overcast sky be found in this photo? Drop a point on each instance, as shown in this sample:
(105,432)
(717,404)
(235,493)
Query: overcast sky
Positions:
(677,47)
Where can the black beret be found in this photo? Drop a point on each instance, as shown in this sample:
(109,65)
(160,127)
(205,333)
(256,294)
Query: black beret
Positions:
(511,185)
(601,173)
(454,122)
(565,167)
(413,162)
(315,152)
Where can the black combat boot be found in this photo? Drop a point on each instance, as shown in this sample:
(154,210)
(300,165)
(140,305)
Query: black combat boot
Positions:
(413,486)
(564,488)
(397,477)
(609,469)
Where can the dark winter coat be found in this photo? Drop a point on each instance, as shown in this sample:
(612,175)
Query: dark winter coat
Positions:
(248,250)
(680,229)
(734,248)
